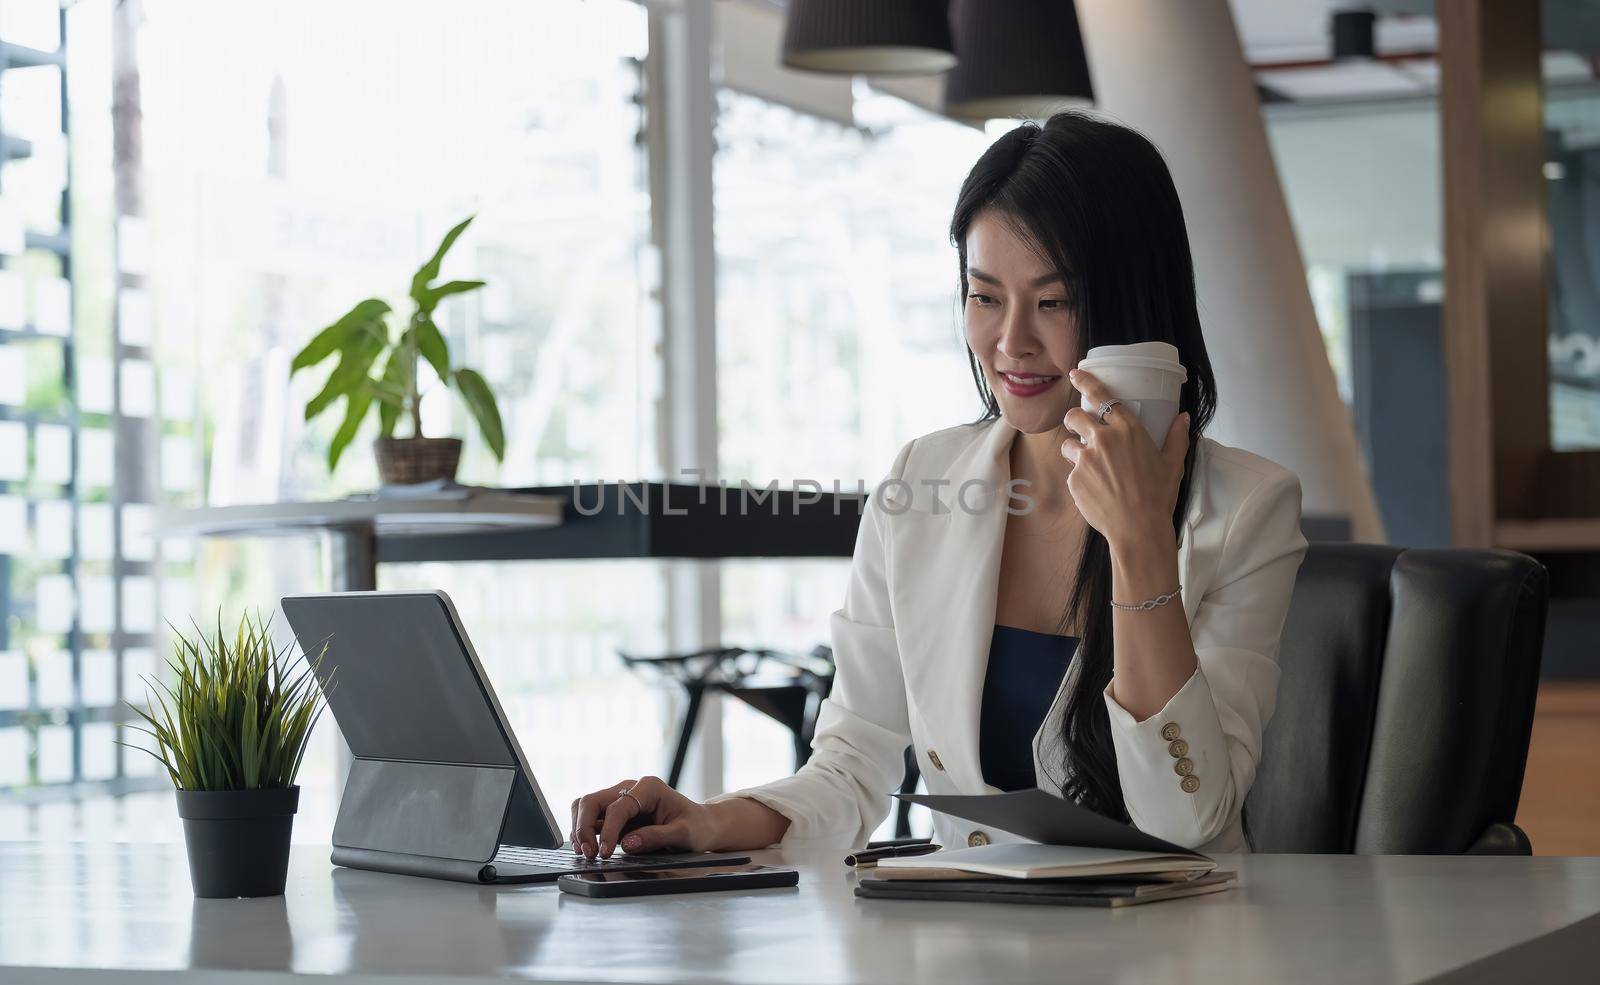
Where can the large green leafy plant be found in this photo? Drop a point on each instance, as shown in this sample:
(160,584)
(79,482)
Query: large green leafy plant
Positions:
(237,715)
(377,367)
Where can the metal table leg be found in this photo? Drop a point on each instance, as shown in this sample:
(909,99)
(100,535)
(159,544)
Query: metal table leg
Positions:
(691,716)
(352,558)
(352,567)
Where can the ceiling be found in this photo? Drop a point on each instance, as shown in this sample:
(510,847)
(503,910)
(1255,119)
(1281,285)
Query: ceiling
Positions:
(1288,31)
(1288,43)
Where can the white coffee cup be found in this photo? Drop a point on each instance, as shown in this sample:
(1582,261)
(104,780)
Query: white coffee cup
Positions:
(1145,376)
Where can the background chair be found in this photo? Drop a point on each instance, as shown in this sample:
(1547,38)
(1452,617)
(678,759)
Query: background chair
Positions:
(1405,704)
(786,687)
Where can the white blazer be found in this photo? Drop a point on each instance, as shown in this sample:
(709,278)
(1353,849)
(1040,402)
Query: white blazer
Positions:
(911,644)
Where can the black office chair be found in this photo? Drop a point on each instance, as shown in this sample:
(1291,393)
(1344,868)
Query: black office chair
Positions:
(1405,704)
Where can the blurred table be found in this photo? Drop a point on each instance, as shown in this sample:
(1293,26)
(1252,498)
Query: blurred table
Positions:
(353,528)
(109,912)
(574,521)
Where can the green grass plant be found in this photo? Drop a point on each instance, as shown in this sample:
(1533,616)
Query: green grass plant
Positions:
(238,713)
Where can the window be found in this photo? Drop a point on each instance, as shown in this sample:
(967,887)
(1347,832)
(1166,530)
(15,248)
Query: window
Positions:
(296,157)
(836,287)
(57,527)
(1363,186)
(838,327)
(1572,173)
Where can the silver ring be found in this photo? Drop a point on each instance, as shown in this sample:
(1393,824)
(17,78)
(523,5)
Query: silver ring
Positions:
(1105,408)
(628,793)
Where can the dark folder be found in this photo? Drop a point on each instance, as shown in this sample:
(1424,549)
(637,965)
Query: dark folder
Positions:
(1048,819)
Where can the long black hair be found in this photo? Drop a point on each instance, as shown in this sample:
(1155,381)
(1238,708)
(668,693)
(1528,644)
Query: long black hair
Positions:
(1096,201)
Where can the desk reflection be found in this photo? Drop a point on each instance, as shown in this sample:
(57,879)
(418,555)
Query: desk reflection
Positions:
(391,923)
(241,934)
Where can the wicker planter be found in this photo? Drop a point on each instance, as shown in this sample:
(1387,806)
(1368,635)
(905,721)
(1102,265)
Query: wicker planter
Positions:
(408,461)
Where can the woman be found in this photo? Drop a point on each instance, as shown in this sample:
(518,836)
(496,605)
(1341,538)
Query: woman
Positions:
(1014,610)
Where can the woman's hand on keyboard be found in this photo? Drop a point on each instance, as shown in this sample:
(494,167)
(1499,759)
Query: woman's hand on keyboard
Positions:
(650,817)
(653,817)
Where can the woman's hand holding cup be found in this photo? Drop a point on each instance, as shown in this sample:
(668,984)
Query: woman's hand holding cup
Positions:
(1124,485)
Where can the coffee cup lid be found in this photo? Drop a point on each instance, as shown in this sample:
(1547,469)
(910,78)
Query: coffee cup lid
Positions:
(1152,355)
(1154,350)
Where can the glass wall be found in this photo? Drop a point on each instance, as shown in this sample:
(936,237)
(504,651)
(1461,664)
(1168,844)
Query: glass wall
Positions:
(1364,184)
(837,327)
(297,157)
(73,552)
(1572,170)
(333,189)
(1364,188)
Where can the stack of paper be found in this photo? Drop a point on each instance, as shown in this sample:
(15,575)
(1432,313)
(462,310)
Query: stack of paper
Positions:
(1076,857)
(1031,861)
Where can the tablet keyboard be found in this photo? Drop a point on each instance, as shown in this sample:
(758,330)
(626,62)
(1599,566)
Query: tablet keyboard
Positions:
(567,860)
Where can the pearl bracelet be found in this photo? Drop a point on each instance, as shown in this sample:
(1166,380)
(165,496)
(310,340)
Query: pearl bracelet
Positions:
(1149,604)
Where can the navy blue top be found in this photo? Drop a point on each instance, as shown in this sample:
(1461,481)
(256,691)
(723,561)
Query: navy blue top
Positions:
(1025,672)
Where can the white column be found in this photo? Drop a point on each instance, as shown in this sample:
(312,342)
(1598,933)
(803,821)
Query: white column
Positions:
(1176,72)
(681,141)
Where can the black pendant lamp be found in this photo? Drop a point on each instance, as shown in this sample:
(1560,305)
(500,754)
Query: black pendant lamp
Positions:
(1016,58)
(869,37)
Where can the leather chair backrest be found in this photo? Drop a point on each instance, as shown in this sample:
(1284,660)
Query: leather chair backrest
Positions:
(1405,702)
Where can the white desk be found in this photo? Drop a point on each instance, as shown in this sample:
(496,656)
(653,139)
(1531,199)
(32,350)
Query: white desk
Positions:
(94,913)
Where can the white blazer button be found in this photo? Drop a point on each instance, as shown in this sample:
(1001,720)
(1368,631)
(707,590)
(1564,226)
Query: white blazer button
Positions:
(933,757)
(1179,749)
(1183,767)
(1190,784)
(1170,731)
(977,839)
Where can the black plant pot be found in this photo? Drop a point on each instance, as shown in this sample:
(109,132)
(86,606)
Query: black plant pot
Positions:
(238,840)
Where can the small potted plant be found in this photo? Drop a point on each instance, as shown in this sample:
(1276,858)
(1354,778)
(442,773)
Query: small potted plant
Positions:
(231,731)
(378,370)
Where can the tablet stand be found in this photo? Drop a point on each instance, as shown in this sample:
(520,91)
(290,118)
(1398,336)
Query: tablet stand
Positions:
(440,820)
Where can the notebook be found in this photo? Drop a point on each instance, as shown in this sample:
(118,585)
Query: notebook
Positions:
(1032,861)
(1073,892)
(1069,840)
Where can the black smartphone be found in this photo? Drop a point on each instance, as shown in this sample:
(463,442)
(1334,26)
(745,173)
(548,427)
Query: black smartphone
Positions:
(661,882)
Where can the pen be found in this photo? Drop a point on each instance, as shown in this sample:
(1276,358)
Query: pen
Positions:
(868,858)
(897,842)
